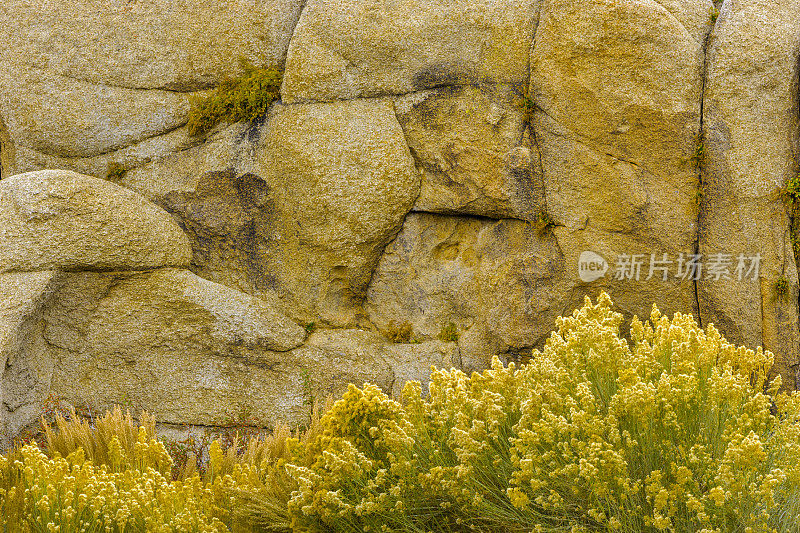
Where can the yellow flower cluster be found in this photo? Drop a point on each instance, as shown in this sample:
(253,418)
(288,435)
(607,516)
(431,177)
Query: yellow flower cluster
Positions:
(675,430)
(671,430)
(672,433)
(73,495)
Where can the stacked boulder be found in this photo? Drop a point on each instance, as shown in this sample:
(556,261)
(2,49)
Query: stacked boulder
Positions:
(98,307)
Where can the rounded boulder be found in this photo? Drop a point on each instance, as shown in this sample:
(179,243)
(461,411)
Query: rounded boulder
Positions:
(57,219)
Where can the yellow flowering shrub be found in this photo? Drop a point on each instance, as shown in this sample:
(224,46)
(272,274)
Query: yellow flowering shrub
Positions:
(72,494)
(113,439)
(671,430)
(675,430)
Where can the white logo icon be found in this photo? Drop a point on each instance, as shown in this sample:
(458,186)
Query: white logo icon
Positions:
(591,266)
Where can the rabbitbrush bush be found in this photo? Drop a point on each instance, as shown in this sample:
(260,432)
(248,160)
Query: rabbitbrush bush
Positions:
(677,430)
(674,430)
(111,476)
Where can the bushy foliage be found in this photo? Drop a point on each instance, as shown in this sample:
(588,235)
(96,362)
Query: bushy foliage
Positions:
(449,333)
(40,493)
(673,430)
(245,98)
(110,438)
(125,486)
(402,334)
(116,171)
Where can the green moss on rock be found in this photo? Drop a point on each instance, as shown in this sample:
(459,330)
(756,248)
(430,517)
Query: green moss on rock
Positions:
(245,98)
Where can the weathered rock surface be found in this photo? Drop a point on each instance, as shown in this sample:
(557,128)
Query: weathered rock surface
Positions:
(65,117)
(435,163)
(55,219)
(342,179)
(299,209)
(617,116)
(22,159)
(25,365)
(178,45)
(496,278)
(751,124)
(333,358)
(6,151)
(195,352)
(346,49)
(87,83)
(188,349)
(472,145)
(694,15)
(413,362)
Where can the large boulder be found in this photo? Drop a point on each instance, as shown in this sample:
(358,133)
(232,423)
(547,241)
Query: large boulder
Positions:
(497,281)
(25,364)
(751,140)
(54,219)
(342,179)
(88,83)
(617,116)
(346,49)
(298,209)
(333,358)
(474,151)
(194,352)
(179,45)
(414,362)
(187,349)
(71,118)
(22,159)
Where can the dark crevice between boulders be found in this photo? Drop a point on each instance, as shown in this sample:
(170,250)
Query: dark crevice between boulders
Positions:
(418,165)
(475,83)
(793,212)
(700,153)
(531,109)
(5,151)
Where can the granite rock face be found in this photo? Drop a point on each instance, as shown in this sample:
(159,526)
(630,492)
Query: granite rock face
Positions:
(752,139)
(56,219)
(474,150)
(300,213)
(494,280)
(344,49)
(88,83)
(465,171)
(189,350)
(617,149)
(26,366)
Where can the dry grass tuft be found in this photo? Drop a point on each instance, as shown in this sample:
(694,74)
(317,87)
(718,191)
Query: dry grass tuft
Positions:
(75,432)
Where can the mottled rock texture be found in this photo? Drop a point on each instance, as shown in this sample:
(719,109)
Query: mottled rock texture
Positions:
(435,169)
(493,279)
(26,366)
(751,138)
(57,219)
(86,83)
(344,49)
(618,114)
(474,150)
